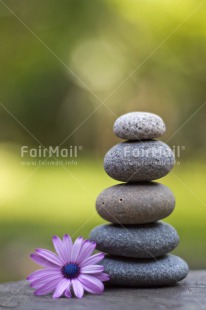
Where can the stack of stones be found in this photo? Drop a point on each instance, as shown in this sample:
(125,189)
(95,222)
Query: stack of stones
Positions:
(136,241)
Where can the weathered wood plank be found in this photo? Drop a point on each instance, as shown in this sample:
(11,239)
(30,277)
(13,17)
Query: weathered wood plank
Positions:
(189,294)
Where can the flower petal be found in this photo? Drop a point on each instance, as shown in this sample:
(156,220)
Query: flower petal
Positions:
(61,287)
(92,260)
(67,292)
(102,276)
(87,249)
(43,280)
(67,241)
(59,248)
(42,261)
(49,256)
(42,272)
(91,284)
(78,288)
(47,288)
(76,249)
(92,269)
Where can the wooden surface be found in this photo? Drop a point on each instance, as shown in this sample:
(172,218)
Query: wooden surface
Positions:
(189,294)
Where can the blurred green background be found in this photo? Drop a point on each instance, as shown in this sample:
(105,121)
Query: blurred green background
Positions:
(132,56)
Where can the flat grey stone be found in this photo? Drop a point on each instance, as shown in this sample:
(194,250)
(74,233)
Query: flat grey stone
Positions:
(135,203)
(139,241)
(139,125)
(135,161)
(164,271)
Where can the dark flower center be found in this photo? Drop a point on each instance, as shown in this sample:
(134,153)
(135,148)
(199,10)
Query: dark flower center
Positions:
(70,271)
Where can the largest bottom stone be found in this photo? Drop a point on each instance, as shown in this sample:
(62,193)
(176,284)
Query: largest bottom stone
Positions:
(163,271)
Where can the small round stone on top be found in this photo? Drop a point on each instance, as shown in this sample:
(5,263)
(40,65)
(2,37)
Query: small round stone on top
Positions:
(139,125)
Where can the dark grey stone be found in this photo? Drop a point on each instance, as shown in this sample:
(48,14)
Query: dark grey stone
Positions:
(139,241)
(135,203)
(135,161)
(139,125)
(166,270)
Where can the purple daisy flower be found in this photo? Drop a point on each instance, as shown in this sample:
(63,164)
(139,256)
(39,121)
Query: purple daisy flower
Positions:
(73,268)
